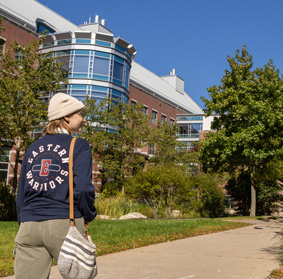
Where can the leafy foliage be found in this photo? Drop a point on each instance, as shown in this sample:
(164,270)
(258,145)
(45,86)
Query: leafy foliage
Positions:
(160,187)
(23,84)
(115,133)
(210,197)
(167,187)
(249,127)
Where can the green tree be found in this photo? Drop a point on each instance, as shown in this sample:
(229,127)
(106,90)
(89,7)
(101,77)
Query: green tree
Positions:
(249,104)
(23,84)
(116,133)
(168,150)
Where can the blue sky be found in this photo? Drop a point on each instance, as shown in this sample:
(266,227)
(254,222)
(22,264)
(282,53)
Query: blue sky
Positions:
(193,36)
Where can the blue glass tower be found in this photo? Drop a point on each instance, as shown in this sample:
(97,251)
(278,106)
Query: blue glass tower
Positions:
(99,64)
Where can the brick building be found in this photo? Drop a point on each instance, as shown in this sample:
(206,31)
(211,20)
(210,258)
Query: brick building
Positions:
(101,65)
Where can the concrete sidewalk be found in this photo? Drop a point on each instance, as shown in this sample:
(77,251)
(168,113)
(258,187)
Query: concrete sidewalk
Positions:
(246,253)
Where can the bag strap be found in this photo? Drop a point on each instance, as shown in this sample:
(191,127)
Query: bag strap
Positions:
(71,188)
(71,181)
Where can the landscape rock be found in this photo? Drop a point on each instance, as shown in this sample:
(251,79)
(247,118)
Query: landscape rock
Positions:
(133,215)
(102,217)
(175,213)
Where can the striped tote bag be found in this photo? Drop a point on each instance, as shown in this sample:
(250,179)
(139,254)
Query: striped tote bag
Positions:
(77,256)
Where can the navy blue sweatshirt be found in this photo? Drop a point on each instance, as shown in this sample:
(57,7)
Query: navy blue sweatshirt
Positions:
(43,191)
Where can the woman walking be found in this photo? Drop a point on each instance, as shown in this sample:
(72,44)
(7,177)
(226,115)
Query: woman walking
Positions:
(43,191)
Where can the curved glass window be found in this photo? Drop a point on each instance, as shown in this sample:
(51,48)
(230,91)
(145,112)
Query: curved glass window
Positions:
(81,64)
(118,96)
(101,66)
(118,71)
(123,50)
(81,52)
(62,53)
(64,42)
(78,90)
(99,92)
(121,71)
(127,76)
(65,62)
(48,44)
(120,48)
(102,43)
(83,41)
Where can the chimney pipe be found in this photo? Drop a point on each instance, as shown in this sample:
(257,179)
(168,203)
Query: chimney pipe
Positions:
(103,22)
(96,19)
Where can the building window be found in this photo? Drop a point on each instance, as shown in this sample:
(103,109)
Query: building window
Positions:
(83,41)
(163,119)
(133,103)
(63,57)
(187,145)
(154,116)
(4,164)
(102,43)
(194,129)
(121,71)
(119,95)
(18,56)
(36,133)
(189,130)
(101,66)
(144,110)
(50,44)
(64,42)
(172,122)
(184,118)
(2,43)
(151,149)
(43,28)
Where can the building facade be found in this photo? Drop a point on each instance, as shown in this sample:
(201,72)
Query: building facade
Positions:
(101,65)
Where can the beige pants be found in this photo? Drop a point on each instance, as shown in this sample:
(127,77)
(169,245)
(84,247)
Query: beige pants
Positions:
(37,243)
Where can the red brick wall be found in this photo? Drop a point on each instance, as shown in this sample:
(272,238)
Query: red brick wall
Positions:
(153,103)
(17,33)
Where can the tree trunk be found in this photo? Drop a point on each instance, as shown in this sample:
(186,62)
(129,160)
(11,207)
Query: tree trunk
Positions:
(13,210)
(253,199)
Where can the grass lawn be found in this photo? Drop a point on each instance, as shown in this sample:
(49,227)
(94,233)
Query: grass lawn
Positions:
(117,235)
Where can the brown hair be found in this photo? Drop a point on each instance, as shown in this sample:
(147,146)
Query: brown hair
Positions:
(55,125)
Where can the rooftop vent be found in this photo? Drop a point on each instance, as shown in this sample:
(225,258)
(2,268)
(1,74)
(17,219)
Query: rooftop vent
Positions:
(173,72)
(176,82)
(96,19)
(103,22)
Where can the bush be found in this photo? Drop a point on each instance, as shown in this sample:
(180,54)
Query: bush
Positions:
(115,207)
(210,197)
(160,187)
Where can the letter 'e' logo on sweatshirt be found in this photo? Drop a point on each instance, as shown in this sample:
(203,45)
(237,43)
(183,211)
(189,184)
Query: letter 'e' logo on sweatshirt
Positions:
(44,170)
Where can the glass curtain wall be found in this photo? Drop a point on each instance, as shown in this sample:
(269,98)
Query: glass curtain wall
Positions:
(189,130)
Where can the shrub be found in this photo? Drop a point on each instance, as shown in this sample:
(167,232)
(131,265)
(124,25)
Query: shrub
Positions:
(160,187)
(115,207)
(210,197)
